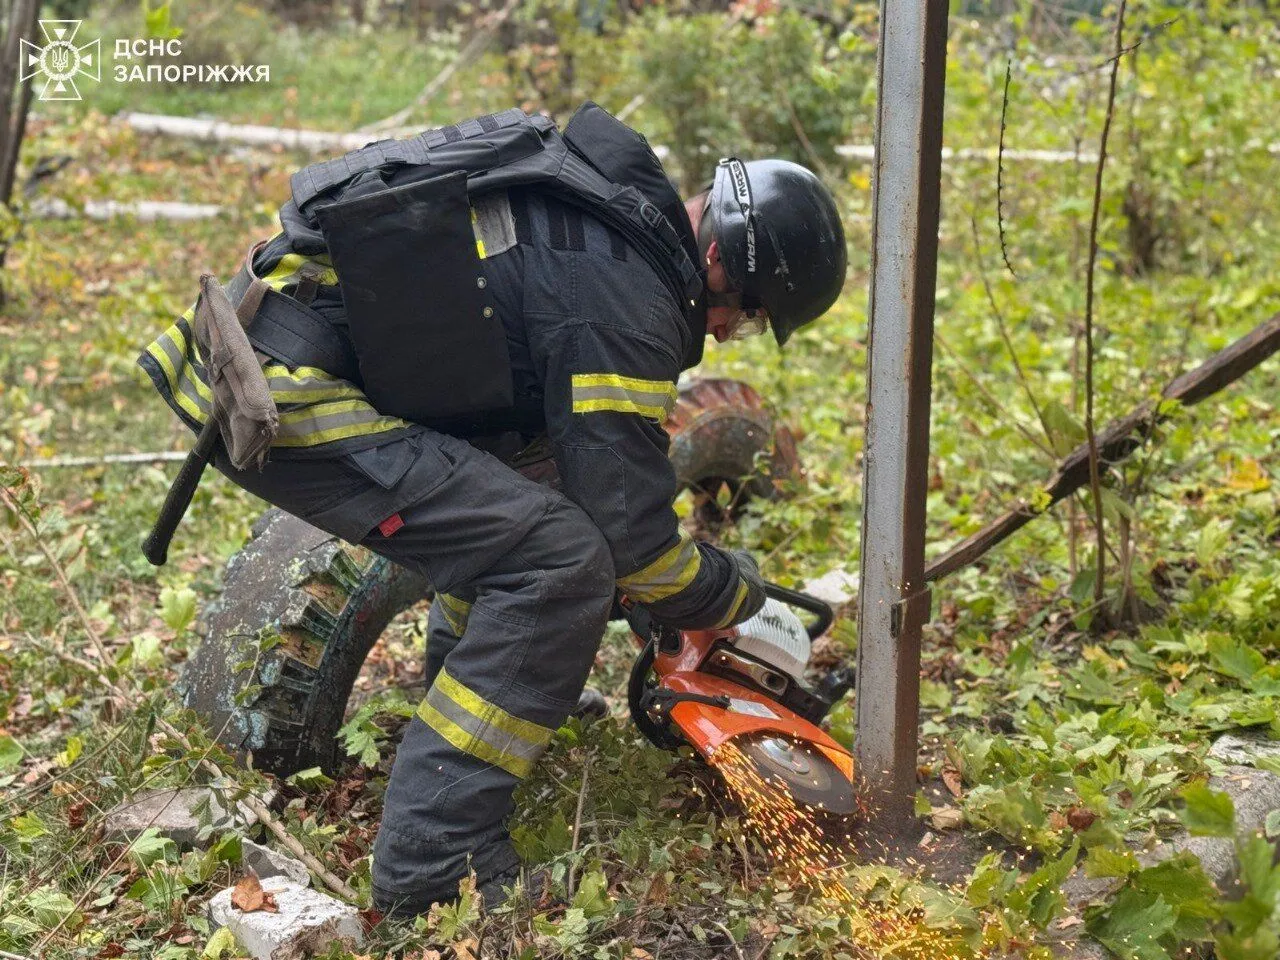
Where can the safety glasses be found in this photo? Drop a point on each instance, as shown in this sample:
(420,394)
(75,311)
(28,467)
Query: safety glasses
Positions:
(749,323)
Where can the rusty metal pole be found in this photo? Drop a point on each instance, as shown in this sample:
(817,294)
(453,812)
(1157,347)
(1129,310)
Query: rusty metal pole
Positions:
(893,596)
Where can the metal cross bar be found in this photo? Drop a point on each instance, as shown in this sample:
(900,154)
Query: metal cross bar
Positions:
(893,596)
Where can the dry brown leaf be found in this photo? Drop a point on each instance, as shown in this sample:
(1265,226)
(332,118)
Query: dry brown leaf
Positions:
(466,949)
(946,818)
(638,953)
(658,889)
(249,897)
(951,780)
(76,816)
(1080,818)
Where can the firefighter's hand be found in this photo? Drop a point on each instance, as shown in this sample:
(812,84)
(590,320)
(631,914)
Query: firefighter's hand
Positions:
(749,574)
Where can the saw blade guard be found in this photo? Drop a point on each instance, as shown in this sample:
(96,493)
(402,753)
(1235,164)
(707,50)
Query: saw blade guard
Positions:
(785,747)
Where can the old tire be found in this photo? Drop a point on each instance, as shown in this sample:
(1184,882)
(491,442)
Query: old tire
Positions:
(300,609)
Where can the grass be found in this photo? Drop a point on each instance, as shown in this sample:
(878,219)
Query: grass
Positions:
(1064,732)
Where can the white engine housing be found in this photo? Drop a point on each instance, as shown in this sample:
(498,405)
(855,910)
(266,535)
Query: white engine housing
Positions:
(776,636)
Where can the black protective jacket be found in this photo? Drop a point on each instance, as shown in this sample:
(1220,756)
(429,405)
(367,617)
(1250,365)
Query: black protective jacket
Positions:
(597,343)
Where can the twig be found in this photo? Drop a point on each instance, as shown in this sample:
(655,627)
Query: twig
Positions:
(1120,438)
(577,824)
(1004,333)
(991,399)
(12,956)
(1124,51)
(260,809)
(1095,481)
(19,511)
(470,50)
(631,106)
(1004,109)
(725,930)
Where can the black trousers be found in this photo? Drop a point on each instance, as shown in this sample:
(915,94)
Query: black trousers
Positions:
(528,583)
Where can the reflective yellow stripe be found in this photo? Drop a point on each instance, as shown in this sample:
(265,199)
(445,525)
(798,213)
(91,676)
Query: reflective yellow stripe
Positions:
(317,437)
(491,713)
(674,570)
(467,743)
(315,406)
(603,405)
(475,227)
(455,612)
(286,271)
(599,392)
(738,599)
(482,729)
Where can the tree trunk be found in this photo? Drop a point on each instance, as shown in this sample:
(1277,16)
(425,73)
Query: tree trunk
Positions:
(21,24)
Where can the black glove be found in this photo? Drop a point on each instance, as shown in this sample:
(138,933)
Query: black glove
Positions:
(749,573)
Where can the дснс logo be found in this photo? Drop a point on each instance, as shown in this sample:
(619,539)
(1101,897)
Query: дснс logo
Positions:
(60,60)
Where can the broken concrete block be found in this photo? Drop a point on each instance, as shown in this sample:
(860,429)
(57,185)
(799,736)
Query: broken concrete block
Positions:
(266,862)
(1243,747)
(307,922)
(1255,793)
(172,813)
(837,587)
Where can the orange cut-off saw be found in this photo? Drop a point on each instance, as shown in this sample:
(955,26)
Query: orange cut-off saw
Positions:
(746,685)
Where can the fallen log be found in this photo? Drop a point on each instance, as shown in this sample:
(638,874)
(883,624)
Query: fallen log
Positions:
(1120,438)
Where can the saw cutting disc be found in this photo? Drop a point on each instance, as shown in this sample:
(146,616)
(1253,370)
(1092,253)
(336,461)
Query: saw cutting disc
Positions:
(800,769)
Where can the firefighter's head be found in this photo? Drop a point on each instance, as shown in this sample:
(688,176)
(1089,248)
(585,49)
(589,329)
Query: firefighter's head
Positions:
(770,235)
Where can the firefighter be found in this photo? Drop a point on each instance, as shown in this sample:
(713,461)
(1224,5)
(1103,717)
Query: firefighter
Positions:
(525,572)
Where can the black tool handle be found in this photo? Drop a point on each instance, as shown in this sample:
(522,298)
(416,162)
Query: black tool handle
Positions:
(794,598)
(178,499)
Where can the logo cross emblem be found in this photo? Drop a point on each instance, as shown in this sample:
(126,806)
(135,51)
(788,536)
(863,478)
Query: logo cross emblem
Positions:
(59,60)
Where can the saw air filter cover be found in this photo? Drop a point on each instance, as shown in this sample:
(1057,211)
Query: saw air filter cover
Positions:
(777,637)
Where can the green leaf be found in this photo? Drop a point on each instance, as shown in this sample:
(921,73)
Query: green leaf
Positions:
(1065,431)
(177,608)
(313,778)
(934,696)
(1235,658)
(1104,861)
(592,895)
(222,942)
(149,846)
(10,752)
(49,905)
(1133,925)
(1207,813)
(75,747)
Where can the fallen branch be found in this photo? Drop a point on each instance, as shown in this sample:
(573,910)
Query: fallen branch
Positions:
(161,456)
(55,208)
(470,50)
(1119,439)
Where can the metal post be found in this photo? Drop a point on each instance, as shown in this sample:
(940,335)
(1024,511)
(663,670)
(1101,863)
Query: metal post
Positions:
(893,595)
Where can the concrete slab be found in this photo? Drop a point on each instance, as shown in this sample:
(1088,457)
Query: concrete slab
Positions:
(1244,746)
(266,862)
(172,813)
(307,922)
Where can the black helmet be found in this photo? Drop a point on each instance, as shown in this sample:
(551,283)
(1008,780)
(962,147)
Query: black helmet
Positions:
(780,239)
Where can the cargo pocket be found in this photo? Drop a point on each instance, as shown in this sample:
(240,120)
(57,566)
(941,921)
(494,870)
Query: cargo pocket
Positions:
(381,481)
(385,465)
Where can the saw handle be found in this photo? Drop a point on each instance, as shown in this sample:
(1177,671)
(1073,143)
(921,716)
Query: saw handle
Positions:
(806,602)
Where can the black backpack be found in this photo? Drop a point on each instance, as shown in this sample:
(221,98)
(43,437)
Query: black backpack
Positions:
(394,217)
